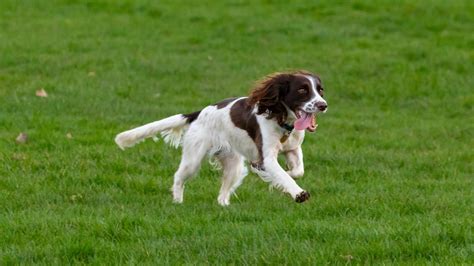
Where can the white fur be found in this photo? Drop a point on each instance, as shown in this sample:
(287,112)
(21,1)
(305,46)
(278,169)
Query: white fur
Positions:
(171,128)
(294,154)
(213,133)
(310,106)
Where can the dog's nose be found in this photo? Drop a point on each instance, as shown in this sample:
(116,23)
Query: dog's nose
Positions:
(321,106)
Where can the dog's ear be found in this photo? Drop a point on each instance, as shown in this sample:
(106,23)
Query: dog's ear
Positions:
(269,94)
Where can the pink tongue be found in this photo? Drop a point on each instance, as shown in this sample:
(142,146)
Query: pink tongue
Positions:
(303,122)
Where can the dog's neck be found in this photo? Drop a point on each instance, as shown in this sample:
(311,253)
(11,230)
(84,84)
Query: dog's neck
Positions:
(291,117)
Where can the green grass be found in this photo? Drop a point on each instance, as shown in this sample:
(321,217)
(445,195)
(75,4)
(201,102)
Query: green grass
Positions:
(390,169)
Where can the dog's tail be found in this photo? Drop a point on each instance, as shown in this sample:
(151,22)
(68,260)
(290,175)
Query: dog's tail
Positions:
(171,128)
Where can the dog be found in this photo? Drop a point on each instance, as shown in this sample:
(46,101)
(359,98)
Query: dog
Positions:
(253,129)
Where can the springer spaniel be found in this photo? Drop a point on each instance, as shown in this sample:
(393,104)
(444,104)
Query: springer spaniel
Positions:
(271,120)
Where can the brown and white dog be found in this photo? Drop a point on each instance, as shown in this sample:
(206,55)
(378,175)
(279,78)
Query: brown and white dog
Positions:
(271,120)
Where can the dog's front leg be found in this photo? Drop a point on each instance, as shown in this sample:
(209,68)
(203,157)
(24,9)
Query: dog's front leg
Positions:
(275,174)
(294,161)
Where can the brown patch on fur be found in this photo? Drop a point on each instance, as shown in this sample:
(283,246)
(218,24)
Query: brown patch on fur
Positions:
(302,197)
(258,165)
(242,117)
(191,116)
(268,94)
(271,93)
(224,103)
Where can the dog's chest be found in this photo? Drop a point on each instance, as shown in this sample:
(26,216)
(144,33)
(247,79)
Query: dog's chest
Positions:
(294,140)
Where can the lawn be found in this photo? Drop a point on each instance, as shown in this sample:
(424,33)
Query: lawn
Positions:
(390,168)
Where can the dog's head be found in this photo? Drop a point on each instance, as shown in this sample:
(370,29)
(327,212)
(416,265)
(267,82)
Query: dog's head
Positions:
(296,96)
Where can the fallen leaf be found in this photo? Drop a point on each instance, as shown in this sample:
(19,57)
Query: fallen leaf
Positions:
(22,138)
(347,257)
(76,197)
(69,135)
(19,156)
(41,93)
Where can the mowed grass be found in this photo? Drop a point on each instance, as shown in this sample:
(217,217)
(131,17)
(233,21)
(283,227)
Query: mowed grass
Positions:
(390,168)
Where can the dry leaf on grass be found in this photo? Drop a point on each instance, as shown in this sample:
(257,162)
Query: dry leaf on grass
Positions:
(347,257)
(76,197)
(22,138)
(19,156)
(69,135)
(41,93)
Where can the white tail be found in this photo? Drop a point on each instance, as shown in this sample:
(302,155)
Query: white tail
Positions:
(171,128)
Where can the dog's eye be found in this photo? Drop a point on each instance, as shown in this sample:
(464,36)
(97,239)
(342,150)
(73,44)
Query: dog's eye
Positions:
(321,91)
(303,90)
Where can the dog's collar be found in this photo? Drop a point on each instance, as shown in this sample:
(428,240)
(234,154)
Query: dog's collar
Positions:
(287,127)
(287,131)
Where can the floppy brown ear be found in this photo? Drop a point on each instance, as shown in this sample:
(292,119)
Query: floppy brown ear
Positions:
(269,93)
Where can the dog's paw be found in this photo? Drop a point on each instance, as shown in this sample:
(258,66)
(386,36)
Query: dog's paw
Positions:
(302,196)
(178,200)
(223,200)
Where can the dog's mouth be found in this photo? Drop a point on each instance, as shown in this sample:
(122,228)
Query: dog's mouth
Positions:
(305,120)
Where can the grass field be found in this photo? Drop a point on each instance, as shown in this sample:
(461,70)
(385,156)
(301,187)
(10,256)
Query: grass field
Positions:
(390,168)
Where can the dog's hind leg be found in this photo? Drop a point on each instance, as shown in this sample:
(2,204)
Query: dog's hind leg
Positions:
(194,151)
(234,172)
